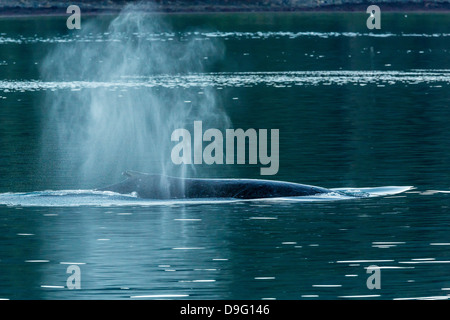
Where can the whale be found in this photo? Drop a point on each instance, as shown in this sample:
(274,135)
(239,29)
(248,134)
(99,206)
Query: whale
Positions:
(156,186)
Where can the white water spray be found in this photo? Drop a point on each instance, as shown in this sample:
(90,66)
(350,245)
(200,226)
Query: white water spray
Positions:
(95,134)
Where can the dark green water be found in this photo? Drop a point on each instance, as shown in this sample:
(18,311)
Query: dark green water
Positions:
(355,108)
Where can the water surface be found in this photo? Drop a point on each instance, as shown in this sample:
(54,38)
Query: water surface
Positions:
(355,109)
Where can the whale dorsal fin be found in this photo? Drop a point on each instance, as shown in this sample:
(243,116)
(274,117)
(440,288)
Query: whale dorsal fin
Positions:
(131,173)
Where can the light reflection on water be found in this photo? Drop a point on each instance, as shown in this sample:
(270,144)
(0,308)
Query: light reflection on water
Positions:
(168,36)
(434,78)
(200,251)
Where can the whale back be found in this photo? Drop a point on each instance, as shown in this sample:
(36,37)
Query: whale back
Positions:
(151,186)
(247,189)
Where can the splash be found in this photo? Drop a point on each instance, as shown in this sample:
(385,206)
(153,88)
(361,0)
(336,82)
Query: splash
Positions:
(99,132)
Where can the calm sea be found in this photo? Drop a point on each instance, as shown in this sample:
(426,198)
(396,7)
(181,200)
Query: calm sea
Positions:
(355,108)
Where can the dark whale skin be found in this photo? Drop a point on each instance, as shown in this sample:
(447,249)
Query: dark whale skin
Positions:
(150,186)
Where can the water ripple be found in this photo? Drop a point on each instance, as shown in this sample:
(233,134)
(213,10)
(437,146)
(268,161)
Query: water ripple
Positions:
(183,36)
(241,79)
